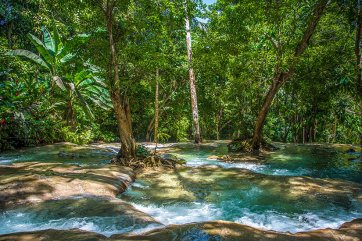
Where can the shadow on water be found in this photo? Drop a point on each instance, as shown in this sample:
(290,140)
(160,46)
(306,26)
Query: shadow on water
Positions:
(295,189)
(320,161)
(99,215)
(66,153)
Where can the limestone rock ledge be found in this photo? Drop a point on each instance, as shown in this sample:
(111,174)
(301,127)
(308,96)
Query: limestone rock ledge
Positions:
(32,182)
(215,230)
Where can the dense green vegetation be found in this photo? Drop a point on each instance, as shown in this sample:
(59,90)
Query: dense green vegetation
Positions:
(84,71)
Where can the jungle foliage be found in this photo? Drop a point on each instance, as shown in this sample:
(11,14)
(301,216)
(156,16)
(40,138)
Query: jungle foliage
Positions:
(57,77)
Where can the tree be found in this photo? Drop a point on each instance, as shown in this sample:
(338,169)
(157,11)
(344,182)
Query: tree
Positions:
(194,106)
(156,106)
(54,55)
(281,75)
(358,54)
(119,99)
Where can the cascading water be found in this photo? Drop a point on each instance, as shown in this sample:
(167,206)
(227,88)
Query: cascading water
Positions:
(297,188)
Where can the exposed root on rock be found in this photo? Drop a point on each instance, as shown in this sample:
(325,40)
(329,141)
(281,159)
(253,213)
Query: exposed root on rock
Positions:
(245,146)
(146,159)
(152,161)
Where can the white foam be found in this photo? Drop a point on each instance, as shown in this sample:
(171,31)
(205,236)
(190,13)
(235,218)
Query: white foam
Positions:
(181,214)
(104,225)
(139,185)
(268,220)
(272,220)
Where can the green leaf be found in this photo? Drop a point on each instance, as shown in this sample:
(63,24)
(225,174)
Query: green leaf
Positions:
(48,40)
(57,40)
(84,105)
(67,58)
(29,55)
(80,76)
(42,49)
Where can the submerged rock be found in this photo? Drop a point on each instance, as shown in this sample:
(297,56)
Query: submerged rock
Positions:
(220,230)
(173,158)
(101,215)
(32,182)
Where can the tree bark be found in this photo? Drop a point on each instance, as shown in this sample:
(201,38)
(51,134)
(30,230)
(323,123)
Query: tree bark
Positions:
(156,109)
(359,60)
(281,77)
(194,106)
(10,35)
(119,100)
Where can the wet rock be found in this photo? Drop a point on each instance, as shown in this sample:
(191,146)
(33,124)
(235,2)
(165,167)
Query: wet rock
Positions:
(244,157)
(240,145)
(72,155)
(182,185)
(207,231)
(213,157)
(220,230)
(96,214)
(173,158)
(32,182)
(245,146)
(350,150)
(54,235)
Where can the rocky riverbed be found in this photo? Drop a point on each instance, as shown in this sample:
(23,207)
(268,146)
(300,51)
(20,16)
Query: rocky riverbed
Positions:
(82,196)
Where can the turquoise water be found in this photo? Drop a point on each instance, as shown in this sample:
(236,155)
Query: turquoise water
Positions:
(297,188)
(287,191)
(319,161)
(60,153)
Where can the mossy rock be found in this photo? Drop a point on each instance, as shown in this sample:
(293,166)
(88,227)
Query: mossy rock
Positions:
(173,158)
(240,145)
(142,151)
(245,146)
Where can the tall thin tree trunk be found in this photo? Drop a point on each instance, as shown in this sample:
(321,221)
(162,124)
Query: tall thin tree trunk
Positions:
(10,35)
(156,109)
(217,127)
(150,127)
(194,106)
(303,134)
(119,101)
(281,77)
(359,59)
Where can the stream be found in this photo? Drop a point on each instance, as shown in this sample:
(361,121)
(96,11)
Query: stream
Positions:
(297,188)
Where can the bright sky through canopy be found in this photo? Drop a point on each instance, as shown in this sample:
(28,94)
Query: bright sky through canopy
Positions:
(209,1)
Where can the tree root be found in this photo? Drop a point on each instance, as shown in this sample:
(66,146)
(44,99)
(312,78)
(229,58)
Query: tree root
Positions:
(245,146)
(151,161)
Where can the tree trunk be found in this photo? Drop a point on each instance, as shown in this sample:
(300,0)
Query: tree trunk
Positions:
(10,35)
(281,77)
(194,106)
(122,111)
(156,110)
(150,127)
(359,60)
(70,114)
(119,101)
